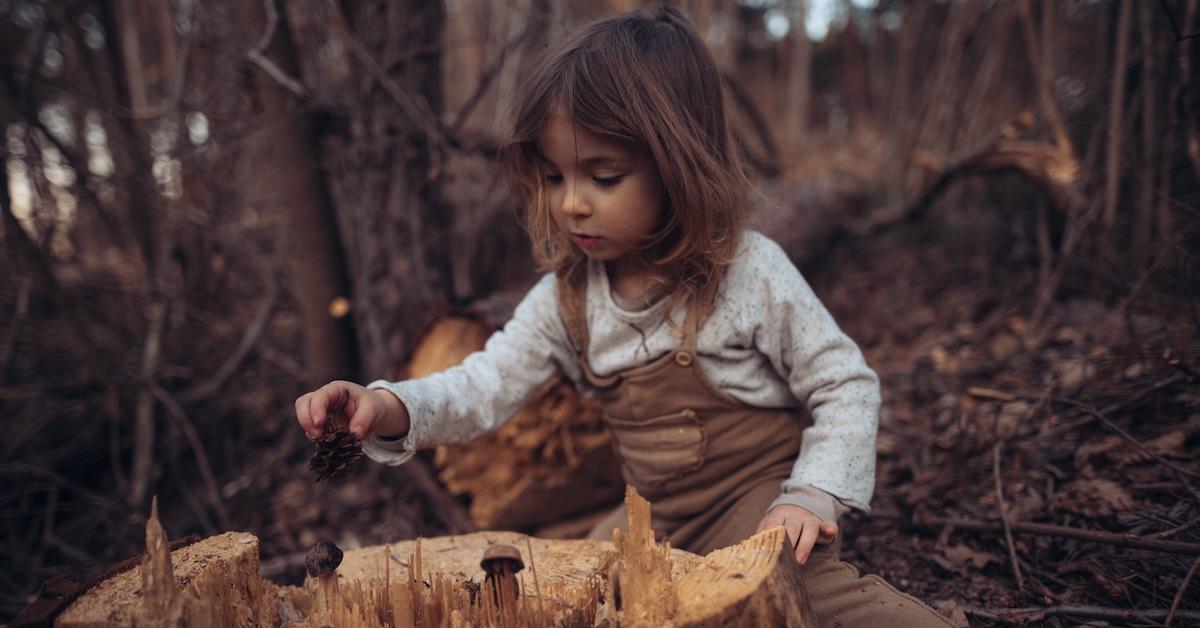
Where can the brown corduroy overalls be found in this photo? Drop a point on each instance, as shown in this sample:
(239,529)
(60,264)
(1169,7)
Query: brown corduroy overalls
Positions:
(711,465)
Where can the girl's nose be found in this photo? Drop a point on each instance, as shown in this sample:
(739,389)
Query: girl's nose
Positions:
(574,203)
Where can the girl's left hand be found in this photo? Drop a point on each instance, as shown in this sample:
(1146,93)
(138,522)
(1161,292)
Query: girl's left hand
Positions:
(804,528)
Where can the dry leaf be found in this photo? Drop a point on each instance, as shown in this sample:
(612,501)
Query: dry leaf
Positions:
(1095,497)
(964,560)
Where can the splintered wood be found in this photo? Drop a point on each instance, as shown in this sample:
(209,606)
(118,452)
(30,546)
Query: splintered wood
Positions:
(641,577)
(213,582)
(632,581)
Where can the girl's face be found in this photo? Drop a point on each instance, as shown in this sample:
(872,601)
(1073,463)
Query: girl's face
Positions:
(605,196)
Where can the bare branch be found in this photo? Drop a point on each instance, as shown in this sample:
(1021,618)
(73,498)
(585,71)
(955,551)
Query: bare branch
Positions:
(414,106)
(485,81)
(143,439)
(189,431)
(249,339)
(256,55)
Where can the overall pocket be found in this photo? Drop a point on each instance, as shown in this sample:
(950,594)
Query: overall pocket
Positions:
(659,449)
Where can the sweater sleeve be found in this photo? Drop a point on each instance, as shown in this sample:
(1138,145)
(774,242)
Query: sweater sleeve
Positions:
(825,370)
(490,385)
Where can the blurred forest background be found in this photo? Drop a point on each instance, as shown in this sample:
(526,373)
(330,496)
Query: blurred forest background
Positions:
(210,208)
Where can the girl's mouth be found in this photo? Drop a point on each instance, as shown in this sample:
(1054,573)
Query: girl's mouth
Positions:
(586,241)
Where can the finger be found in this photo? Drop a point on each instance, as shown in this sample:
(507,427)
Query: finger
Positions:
(829,530)
(794,528)
(808,536)
(768,522)
(326,398)
(362,417)
(304,415)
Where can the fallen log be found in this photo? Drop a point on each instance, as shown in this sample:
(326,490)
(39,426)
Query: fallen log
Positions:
(551,461)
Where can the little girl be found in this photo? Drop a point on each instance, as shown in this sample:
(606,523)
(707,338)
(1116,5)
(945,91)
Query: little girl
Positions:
(700,339)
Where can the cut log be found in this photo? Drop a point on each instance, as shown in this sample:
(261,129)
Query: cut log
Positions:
(551,461)
(632,581)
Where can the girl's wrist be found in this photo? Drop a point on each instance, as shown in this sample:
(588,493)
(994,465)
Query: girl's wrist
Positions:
(395,421)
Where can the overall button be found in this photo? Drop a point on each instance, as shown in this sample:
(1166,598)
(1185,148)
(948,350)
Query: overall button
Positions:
(684,359)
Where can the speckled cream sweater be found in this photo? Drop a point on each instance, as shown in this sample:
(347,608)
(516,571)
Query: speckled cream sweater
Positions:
(769,342)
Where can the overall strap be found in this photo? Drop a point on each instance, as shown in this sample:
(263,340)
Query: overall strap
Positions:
(691,325)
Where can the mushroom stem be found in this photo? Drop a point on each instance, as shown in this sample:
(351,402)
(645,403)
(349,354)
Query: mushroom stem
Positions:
(327,587)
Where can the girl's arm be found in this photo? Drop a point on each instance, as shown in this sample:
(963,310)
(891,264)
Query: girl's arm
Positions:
(483,392)
(826,371)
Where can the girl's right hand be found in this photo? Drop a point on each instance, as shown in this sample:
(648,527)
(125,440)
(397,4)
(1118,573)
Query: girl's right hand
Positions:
(370,412)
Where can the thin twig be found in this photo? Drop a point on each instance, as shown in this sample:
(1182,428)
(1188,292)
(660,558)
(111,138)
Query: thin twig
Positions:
(143,435)
(1187,581)
(1173,531)
(256,55)
(1127,436)
(249,339)
(415,107)
(1109,409)
(1095,536)
(768,164)
(193,437)
(1045,82)
(485,81)
(1024,615)
(537,585)
(14,327)
(1012,549)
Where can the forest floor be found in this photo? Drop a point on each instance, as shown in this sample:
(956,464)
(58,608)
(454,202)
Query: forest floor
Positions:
(1088,419)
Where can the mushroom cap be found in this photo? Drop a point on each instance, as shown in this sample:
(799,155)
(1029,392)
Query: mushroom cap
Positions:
(323,559)
(501,552)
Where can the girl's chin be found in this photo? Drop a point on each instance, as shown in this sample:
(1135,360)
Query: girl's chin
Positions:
(599,253)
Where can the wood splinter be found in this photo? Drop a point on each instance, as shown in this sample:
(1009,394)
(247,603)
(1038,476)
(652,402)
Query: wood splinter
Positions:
(160,594)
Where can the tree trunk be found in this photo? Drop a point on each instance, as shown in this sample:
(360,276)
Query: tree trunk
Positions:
(286,181)
(1116,118)
(375,79)
(797,94)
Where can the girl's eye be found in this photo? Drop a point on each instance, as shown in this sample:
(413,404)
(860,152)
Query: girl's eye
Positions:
(554,178)
(608,181)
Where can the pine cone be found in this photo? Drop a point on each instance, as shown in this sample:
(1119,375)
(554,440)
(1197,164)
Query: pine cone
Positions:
(337,452)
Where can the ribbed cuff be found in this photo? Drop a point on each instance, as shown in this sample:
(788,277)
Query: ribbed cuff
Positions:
(814,500)
(385,450)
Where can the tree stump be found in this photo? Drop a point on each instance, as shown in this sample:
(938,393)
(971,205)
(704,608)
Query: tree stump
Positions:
(632,581)
(212,582)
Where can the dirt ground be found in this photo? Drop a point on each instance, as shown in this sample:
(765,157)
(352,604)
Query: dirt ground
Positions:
(1088,420)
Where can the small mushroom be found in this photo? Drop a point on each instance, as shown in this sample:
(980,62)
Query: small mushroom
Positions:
(322,563)
(501,564)
(323,559)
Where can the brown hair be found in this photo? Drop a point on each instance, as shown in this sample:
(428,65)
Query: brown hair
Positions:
(643,78)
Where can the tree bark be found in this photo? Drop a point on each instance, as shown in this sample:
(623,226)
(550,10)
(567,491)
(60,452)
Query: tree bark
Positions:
(797,93)
(1116,118)
(287,181)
